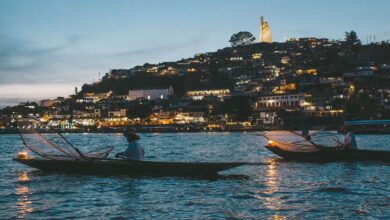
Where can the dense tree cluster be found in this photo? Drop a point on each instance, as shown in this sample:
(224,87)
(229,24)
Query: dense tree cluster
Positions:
(242,38)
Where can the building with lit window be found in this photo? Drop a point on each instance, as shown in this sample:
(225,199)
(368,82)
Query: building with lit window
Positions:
(151,94)
(47,103)
(117,113)
(200,94)
(290,101)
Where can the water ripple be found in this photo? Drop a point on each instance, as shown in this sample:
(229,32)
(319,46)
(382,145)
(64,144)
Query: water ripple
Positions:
(279,190)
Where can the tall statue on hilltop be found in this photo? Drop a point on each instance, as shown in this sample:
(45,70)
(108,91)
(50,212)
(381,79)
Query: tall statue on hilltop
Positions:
(265,31)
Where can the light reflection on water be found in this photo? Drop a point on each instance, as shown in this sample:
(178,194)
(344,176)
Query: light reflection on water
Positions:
(280,190)
(23,177)
(22,192)
(272,184)
(277,217)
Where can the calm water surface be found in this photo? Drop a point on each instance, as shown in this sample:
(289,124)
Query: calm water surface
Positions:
(280,190)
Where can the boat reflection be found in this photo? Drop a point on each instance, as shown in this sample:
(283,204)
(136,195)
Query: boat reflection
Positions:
(22,177)
(272,186)
(22,192)
(277,217)
(269,195)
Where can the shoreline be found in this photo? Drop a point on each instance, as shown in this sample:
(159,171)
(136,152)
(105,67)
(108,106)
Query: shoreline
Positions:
(140,130)
(4,131)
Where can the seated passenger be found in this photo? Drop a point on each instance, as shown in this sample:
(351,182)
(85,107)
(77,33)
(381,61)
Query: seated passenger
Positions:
(134,150)
(305,134)
(349,138)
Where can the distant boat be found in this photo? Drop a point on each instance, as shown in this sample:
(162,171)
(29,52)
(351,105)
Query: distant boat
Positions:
(293,146)
(328,154)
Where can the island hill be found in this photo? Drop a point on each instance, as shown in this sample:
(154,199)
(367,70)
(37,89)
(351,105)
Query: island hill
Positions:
(303,82)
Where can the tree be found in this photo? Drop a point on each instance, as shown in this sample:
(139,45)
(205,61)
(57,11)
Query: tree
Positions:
(241,38)
(239,107)
(363,104)
(352,39)
(139,110)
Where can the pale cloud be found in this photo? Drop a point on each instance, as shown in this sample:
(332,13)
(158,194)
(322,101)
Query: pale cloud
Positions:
(12,94)
(32,71)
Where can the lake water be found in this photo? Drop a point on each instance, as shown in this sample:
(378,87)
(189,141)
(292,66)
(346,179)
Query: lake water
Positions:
(276,191)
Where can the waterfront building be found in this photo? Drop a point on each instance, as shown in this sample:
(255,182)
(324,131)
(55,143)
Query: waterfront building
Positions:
(116,121)
(178,118)
(265,117)
(189,118)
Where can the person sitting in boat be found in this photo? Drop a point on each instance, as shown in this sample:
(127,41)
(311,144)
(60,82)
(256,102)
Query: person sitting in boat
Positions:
(349,138)
(305,134)
(134,150)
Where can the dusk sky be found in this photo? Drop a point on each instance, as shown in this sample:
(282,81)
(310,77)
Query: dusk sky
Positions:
(48,47)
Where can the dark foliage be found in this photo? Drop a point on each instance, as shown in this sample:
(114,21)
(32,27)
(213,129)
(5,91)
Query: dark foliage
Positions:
(242,38)
(238,107)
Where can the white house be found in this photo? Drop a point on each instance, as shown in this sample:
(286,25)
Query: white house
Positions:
(151,94)
(280,101)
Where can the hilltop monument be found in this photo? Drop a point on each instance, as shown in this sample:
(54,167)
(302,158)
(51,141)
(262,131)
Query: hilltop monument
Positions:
(265,32)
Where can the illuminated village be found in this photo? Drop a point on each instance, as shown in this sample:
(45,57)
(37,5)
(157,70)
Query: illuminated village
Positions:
(249,86)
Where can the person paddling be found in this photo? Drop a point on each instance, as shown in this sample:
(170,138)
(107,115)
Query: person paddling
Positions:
(349,138)
(134,150)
